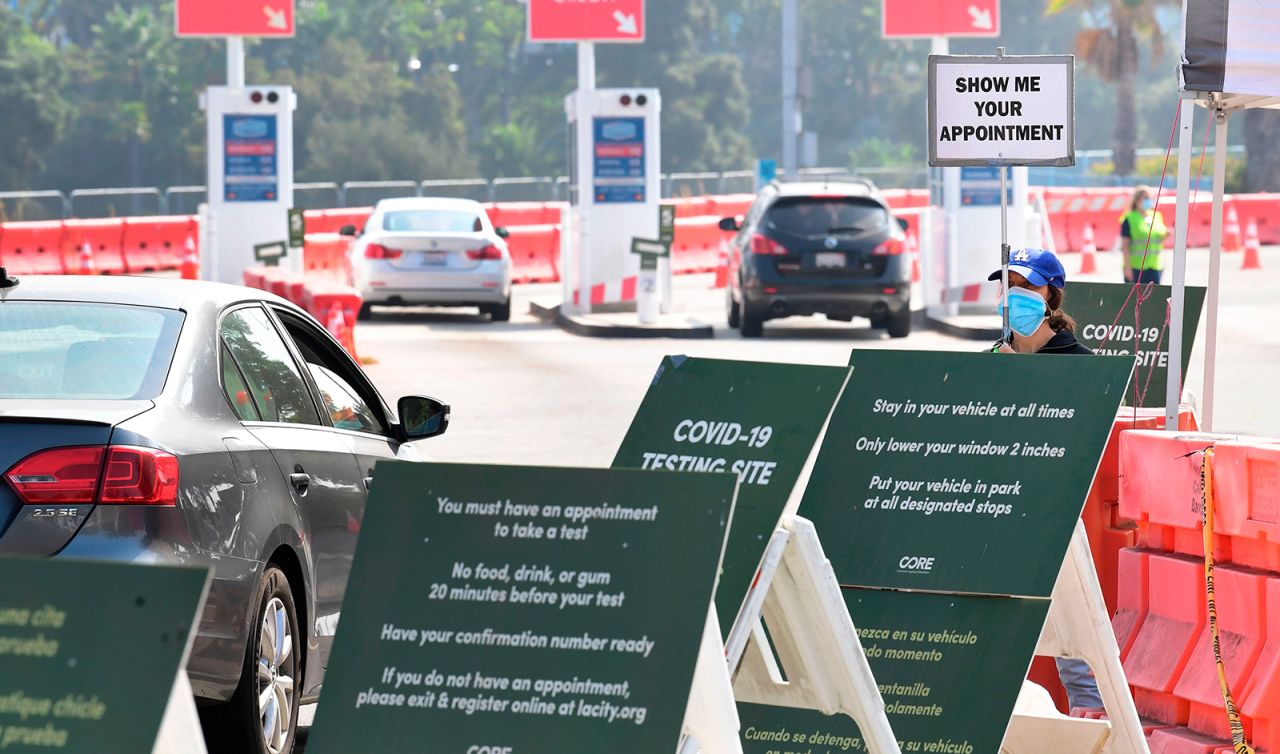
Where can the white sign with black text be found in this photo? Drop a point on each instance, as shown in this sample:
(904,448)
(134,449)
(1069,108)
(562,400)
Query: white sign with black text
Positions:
(1001,110)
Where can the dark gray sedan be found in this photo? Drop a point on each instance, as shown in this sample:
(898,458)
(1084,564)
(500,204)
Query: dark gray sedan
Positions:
(164,421)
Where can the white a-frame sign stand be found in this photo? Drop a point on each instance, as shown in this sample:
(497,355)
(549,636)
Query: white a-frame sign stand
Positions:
(1079,628)
(797,596)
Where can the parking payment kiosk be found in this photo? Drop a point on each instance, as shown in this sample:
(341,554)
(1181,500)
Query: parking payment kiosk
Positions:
(971,197)
(250,184)
(615,160)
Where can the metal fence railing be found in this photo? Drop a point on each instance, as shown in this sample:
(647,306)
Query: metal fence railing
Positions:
(116,202)
(539,189)
(459,188)
(21,206)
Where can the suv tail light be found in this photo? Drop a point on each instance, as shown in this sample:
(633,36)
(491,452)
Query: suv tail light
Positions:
(378,251)
(763,245)
(117,474)
(890,248)
(488,252)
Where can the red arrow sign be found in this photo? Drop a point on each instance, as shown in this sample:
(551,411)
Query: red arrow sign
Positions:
(905,19)
(234,18)
(586,20)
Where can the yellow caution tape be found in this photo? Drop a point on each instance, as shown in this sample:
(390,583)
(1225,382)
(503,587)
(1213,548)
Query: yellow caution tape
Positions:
(1238,741)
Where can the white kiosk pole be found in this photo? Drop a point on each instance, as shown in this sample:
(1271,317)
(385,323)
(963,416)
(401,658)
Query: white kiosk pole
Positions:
(585,96)
(235,62)
(1215,266)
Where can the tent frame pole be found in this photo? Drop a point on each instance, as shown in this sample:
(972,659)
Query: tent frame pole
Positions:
(1173,390)
(1221,121)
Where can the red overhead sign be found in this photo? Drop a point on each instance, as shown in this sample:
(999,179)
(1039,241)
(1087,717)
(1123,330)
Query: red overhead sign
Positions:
(234,18)
(586,20)
(907,19)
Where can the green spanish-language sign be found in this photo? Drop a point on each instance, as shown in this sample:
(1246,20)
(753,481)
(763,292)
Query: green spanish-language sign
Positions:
(949,668)
(756,420)
(961,472)
(297,227)
(89,652)
(1104,315)
(523,610)
(666,223)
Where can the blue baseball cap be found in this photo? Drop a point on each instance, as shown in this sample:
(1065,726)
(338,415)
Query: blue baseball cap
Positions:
(1038,266)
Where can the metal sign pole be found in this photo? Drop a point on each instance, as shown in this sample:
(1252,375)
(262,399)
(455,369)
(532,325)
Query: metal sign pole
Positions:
(1004,243)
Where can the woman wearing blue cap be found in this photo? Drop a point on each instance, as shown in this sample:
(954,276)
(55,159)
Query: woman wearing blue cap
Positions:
(1036,321)
(1038,325)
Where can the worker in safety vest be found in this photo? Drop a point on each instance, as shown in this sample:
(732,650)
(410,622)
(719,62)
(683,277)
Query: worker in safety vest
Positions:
(1142,233)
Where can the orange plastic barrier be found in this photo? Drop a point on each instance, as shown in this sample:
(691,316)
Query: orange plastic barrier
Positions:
(335,307)
(158,243)
(32,248)
(912,216)
(332,220)
(905,198)
(1160,490)
(324,255)
(1247,485)
(535,253)
(1101,208)
(1263,208)
(514,214)
(1163,644)
(696,246)
(1260,698)
(731,205)
(106,240)
(1133,597)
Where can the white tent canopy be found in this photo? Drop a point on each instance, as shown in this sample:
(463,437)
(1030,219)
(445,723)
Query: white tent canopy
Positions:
(1230,62)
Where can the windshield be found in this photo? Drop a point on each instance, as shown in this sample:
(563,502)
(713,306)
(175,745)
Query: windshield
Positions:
(437,220)
(81,351)
(813,216)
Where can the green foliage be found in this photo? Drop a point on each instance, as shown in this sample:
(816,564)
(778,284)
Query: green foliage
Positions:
(34,112)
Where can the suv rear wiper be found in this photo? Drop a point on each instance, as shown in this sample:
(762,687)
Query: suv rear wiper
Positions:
(848,228)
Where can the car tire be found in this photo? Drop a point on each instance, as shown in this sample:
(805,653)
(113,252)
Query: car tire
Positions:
(752,324)
(899,325)
(498,312)
(366,312)
(734,310)
(240,725)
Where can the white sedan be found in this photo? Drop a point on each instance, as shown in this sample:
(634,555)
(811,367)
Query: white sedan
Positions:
(423,251)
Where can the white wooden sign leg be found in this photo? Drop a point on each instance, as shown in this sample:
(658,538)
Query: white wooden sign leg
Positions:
(1079,627)
(711,719)
(816,643)
(180,731)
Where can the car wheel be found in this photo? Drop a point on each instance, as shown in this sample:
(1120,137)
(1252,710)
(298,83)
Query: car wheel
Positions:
(498,312)
(752,324)
(735,311)
(262,716)
(899,325)
(366,312)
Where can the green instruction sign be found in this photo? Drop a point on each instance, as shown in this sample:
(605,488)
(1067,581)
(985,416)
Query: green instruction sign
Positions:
(523,610)
(89,652)
(646,247)
(666,223)
(270,254)
(1104,315)
(949,668)
(758,421)
(297,227)
(961,472)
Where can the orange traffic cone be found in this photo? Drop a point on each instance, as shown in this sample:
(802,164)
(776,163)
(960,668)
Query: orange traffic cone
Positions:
(913,248)
(349,333)
(1231,234)
(190,262)
(86,259)
(1251,244)
(722,267)
(1088,263)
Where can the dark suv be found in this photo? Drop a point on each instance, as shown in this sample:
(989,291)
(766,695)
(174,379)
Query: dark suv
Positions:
(828,248)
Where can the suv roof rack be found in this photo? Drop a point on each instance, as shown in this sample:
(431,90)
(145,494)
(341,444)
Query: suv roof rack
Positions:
(826,179)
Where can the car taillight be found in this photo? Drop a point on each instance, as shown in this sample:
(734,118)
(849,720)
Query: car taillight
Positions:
(763,245)
(61,475)
(488,252)
(119,474)
(890,248)
(378,251)
(139,476)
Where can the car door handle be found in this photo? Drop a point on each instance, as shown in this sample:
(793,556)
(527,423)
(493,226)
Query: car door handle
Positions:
(300,481)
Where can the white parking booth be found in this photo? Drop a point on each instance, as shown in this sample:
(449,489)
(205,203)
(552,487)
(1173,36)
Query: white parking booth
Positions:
(250,176)
(615,161)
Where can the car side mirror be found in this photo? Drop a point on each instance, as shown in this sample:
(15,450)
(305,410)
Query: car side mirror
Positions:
(502,232)
(730,223)
(422,417)
(902,223)
(348,230)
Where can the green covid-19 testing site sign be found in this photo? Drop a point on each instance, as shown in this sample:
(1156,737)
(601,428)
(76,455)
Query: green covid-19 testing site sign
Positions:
(757,421)
(523,609)
(89,652)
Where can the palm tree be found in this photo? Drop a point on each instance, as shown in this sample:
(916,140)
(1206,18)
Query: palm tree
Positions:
(1110,49)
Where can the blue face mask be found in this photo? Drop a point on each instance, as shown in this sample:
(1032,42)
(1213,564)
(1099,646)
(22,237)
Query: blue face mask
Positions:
(1148,205)
(1026,311)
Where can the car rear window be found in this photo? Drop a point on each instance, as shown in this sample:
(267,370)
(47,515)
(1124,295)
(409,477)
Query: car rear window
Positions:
(429,220)
(824,216)
(85,351)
